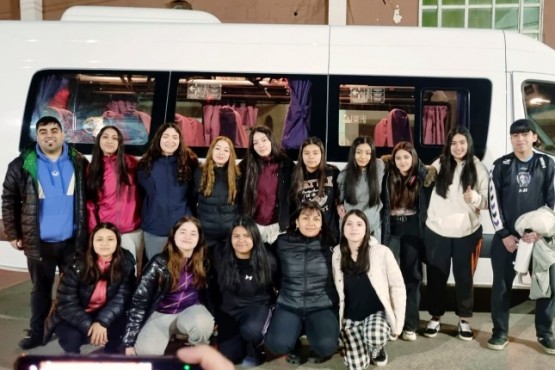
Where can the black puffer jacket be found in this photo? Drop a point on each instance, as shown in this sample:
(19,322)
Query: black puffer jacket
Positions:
(214,212)
(306,274)
(154,284)
(74,296)
(20,202)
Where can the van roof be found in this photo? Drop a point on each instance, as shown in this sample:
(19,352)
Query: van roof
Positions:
(127,14)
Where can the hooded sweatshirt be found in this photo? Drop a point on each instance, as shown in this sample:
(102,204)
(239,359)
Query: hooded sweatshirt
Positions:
(56,186)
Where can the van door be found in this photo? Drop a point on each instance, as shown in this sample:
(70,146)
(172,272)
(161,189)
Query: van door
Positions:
(534,98)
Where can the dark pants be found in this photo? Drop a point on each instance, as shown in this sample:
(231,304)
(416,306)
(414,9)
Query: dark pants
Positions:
(439,252)
(43,273)
(321,328)
(502,263)
(71,339)
(238,333)
(410,252)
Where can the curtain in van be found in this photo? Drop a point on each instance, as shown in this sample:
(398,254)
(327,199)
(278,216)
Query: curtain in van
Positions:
(297,120)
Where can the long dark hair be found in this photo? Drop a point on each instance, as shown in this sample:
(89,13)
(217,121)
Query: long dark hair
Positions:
(354,173)
(253,168)
(176,261)
(95,175)
(91,273)
(187,160)
(309,207)
(262,262)
(208,178)
(362,264)
(403,190)
(300,169)
(469,177)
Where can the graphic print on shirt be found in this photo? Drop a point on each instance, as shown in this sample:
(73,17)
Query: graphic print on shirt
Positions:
(523,177)
(310,192)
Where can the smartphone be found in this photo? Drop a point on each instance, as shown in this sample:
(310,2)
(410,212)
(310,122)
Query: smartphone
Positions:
(101,362)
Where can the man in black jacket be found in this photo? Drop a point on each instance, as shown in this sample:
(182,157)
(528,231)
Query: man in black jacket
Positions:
(44,213)
(521,182)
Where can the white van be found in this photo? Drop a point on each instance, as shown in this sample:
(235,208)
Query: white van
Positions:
(335,82)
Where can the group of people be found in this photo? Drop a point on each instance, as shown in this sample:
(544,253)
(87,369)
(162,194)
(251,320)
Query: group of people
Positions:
(267,250)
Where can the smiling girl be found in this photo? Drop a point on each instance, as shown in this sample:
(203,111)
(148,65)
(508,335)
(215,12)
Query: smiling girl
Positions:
(112,193)
(165,173)
(168,299)
(454,228)
(94,294)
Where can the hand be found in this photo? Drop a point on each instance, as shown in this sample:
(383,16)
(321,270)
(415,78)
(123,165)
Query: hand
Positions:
(130,351)
(530,237)
(16,244)
(510,243)
(341,210)
(98,334)
(468,195)
(207,357)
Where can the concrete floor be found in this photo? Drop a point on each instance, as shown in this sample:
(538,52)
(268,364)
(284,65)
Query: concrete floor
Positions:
(445,351)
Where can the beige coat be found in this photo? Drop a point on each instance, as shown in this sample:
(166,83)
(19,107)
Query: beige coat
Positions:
(385,276)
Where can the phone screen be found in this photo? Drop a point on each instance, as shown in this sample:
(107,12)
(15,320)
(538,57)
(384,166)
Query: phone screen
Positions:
(39,362)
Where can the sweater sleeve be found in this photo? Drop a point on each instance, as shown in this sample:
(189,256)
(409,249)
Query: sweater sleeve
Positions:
(495,201)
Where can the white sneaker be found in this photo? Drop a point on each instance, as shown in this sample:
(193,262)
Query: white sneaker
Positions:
(408,335)
(432,329)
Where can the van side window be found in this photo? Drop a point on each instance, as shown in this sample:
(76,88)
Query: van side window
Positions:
(86,102)
(385,113)
(211,105)
(442,110)
(539,102)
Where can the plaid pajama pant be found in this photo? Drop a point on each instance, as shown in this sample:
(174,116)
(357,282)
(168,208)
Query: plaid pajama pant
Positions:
(364,339)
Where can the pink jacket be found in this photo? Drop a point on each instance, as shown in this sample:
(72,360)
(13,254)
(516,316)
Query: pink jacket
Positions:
(386,279)
(124,209)
(191,129)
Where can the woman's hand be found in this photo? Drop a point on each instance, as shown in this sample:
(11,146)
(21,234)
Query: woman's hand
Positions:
(98,334)
(341,210)
(204,355)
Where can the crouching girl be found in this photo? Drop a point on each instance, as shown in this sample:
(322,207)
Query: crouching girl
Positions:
(94,293)
(361,264)
(168,298)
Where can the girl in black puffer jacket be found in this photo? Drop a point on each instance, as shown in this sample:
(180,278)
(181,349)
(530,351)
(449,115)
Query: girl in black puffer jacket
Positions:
(94,294)
(307,300)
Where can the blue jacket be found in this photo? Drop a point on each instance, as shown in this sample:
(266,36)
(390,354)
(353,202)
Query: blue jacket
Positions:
(165,199)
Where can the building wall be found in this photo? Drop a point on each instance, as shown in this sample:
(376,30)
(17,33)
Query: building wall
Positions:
(549,23)
(359,12)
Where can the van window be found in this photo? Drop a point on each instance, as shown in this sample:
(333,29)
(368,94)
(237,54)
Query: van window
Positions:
(86,102)
(373,111)
(539,100)
(207,106)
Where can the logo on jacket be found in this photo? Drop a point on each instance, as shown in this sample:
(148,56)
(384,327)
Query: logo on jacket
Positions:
(248,277)
(523,179)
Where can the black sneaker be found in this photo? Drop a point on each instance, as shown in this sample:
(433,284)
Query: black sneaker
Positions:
(381,359)
(465,331)
(293,359)
(548,345)
(30,341)
(313,358)
(497,343)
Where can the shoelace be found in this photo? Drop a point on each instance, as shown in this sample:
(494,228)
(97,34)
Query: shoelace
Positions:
(465,327)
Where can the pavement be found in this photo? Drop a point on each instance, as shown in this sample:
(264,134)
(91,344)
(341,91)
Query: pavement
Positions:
(445,351)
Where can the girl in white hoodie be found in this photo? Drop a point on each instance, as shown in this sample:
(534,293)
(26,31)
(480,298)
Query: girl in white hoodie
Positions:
(454,228)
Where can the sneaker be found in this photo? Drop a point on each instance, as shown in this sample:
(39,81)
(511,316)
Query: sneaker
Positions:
(293,359)
(408,335)
(250,361)
(432,329)
(30,341)
(465,331)
(497,343)
(548,345)
(313,358)
(381,359)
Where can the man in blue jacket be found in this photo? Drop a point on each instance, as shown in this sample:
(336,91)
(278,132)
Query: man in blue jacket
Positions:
(44,213)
